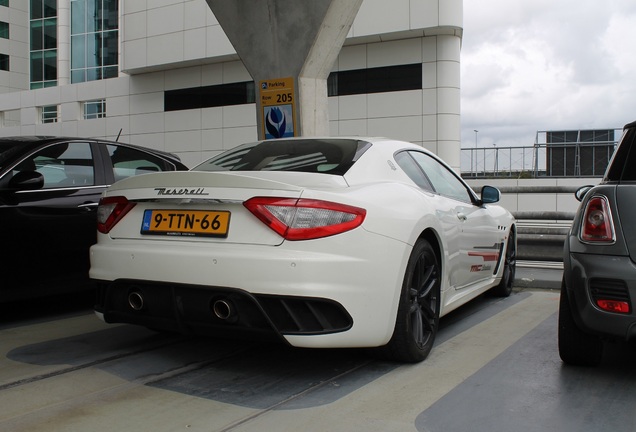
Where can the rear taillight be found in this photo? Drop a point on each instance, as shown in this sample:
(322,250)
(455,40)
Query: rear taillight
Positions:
(305,219)
(597,225)
(110,211)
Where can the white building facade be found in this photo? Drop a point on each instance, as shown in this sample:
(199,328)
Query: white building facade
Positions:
(162,74)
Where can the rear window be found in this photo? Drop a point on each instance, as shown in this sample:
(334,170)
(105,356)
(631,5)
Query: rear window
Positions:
(328,156)
(622,165)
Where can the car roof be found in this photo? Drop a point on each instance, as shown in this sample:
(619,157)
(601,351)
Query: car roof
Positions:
(31,142)
(630,125)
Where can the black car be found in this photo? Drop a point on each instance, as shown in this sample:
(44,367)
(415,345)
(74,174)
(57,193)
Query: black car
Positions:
(599,278)
(49,191)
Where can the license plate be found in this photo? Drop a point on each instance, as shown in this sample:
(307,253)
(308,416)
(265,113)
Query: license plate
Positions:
(186,223)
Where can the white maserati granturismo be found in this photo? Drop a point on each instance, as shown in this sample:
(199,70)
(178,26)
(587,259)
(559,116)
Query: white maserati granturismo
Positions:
(317,242)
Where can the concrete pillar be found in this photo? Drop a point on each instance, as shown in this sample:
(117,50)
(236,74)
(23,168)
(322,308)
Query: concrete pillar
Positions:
(63,42)
(289,47)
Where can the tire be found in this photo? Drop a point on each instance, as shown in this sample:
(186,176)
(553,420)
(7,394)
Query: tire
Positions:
(575,346)
(418,311)
(504,289)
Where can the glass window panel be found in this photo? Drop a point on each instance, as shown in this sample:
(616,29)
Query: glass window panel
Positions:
(50,65)
(92,16)
(128,162)
(110,72)
(37,68)
(93,74)
(111,48)
(50,33)
(50,84)
(50,8)
(4,30)
(78,51)
(4,62)
(443,180)
(78,15)
(36,9)
(78,76)
(93,49)
(37,36)
(4,3)
(111,14)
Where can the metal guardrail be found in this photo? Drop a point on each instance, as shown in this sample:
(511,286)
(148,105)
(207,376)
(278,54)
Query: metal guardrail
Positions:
(541,234)
(563,159)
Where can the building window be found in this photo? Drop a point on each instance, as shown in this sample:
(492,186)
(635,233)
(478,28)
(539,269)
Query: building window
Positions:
(362,81)
(48,114)
(43,27)
(375,80)
(4,30)
(95,109)
(4,3)
(4,62)
(94,40)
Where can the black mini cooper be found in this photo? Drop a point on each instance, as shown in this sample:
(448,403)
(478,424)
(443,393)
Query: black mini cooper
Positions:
(599,278)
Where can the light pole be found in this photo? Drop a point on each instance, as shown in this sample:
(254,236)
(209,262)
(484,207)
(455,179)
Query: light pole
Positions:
(496,167)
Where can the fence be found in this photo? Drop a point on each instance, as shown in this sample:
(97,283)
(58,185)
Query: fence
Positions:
(562,159)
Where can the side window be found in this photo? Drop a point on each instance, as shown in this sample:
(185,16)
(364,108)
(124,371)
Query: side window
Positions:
(128,162)
(413,170)
(443,180)
(62,165)
(622,163)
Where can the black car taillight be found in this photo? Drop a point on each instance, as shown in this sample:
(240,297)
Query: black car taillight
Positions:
(110,211)
(597,225)
(305,219)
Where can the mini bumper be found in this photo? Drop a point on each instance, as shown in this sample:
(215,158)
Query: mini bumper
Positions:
(589,278)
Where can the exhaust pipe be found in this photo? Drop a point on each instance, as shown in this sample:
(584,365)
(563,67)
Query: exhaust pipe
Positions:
(223,309)
(136,300)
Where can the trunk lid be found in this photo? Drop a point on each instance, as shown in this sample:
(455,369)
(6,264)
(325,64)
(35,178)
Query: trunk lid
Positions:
(183,196)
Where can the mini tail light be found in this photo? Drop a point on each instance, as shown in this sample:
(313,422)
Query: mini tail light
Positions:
(597,225)
(305,219)
(110,211)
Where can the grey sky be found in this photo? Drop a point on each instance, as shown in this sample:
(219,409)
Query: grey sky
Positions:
(531,65)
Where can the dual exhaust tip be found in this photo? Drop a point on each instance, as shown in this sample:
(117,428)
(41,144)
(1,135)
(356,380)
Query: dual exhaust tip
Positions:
(222,308)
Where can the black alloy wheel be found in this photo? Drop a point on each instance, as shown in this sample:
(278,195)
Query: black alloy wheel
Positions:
(504,289)
(418,312)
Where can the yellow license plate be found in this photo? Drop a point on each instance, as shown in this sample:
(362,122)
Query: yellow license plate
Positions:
(186,223)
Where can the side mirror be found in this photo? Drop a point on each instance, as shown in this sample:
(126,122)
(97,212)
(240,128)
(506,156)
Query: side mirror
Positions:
(26,180)
(490,195)
(581,192)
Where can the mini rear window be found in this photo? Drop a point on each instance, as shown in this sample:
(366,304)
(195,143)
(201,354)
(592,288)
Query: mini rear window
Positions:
(327,156)
(622,165)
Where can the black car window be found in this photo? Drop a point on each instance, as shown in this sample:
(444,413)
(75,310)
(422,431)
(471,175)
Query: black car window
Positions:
(443,180)
(328,156)
(62,165)
(622,167)
(128,162)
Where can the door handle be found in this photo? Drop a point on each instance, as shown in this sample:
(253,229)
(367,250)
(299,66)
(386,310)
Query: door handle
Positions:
(461,216)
